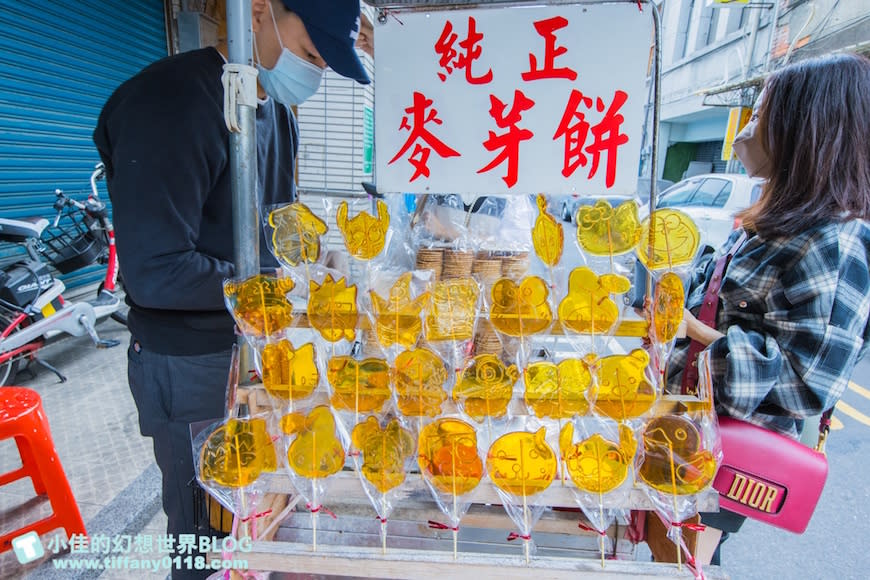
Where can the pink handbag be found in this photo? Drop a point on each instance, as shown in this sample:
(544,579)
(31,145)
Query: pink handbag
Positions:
(763,475)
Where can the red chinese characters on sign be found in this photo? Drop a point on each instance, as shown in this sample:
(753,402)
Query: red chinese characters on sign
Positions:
(419,118)
(575,129)
(508,142)
(450,58)
(547,29)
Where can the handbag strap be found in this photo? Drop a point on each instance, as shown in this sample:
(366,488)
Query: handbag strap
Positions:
(707,315)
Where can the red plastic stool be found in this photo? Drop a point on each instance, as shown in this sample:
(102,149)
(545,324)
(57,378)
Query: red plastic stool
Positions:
(22,417)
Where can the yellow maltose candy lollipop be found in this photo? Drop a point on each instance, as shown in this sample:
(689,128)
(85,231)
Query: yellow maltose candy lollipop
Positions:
(259,304)
(557,391)
(332,308)
(296,237)
(595,464)
(359,386)
(588,307)
(520,310)
(447,454)
(485,387)
(364,235)
(316,451)
(669,301)
(547,235)
(419,376)
(397,318)
(384,452)
(237,452)
(522,464)
(289,373)
(675,239)
(453,310)
(622,390)
(604,231)
(674,459)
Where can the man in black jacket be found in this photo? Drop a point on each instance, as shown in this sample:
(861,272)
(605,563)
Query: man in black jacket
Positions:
(166,148)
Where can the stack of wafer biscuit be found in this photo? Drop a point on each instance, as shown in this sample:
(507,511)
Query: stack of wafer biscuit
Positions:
(486,340)
(486,267)
(457,264)
(430,259)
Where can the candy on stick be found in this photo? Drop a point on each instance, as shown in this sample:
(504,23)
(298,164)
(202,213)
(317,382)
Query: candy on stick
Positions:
(622,390)
(548,237)
(332,309)
(385,451)
(289,373)
(588,307)
(359,386)
(521,465)
(669,301)
(669,238)
(451,466)
(364,235)
(605,231)
(419,376)
(296,237)
(259,304)
(485,387)
(520,309)
(397,318)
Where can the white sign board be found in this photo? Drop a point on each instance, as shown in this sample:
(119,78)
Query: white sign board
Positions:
(512,100)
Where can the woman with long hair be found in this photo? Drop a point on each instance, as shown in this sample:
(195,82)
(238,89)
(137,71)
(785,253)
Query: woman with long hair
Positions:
(795,299)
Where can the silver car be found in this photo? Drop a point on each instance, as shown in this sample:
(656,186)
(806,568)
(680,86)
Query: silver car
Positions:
(711,200)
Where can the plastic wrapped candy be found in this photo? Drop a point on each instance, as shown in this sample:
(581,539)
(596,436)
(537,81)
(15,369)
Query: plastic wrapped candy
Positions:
(237,452)
(419,376)
(622,389)
(605,231)
(596,464)
(398,318)
(453,310)
(588,307)
(674,240)
(296,237)
(385,452)
(557,391)
(450,464)
(669,301)
(332,309)
(289,373)
(259,304)
(485,387)
(521,465)
(547,235)
(359,386)
(315,453)
(364,235)
(675,459)
(520,309)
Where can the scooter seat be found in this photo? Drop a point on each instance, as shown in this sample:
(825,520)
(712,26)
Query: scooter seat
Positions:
(20,229)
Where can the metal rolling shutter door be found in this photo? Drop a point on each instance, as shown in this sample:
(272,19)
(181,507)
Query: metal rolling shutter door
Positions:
(61,61)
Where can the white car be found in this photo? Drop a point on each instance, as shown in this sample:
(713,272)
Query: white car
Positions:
(711,200)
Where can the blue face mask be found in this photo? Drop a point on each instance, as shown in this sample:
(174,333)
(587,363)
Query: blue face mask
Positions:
(292,80)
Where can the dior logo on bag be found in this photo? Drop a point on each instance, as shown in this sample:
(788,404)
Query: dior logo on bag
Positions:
(752,492)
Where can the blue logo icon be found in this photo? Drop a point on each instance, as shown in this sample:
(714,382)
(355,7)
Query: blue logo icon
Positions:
(28,547)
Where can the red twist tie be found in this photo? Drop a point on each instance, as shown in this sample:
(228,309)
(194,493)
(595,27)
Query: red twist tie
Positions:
(515,536)
(354,454)
(382,520)
(321,508)
(639,7)
(586,528)
(689,526)
(439,526)
(253,375)
(257,516)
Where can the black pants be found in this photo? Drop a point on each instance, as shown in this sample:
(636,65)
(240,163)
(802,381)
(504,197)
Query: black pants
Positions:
(170,393)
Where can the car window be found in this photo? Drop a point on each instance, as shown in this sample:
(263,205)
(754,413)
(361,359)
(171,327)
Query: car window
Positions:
(678,194)
(756,193)
(723,196)
(709,192)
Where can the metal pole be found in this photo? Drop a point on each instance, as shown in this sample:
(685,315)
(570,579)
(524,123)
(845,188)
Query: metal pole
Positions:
(243,164)
(654,154)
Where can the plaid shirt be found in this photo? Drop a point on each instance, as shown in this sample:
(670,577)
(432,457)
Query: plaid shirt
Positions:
(794,313)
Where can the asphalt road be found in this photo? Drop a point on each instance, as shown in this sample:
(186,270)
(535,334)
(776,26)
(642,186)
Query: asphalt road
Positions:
(834,545)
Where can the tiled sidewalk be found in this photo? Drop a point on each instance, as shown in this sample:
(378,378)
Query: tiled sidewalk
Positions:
(95,429)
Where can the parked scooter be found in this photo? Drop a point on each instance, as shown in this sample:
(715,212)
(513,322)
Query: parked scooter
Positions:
(32,306)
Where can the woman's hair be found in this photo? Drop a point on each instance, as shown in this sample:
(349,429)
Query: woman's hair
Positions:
(814,121)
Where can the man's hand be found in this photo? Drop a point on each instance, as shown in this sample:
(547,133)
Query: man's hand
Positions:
(366,39)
